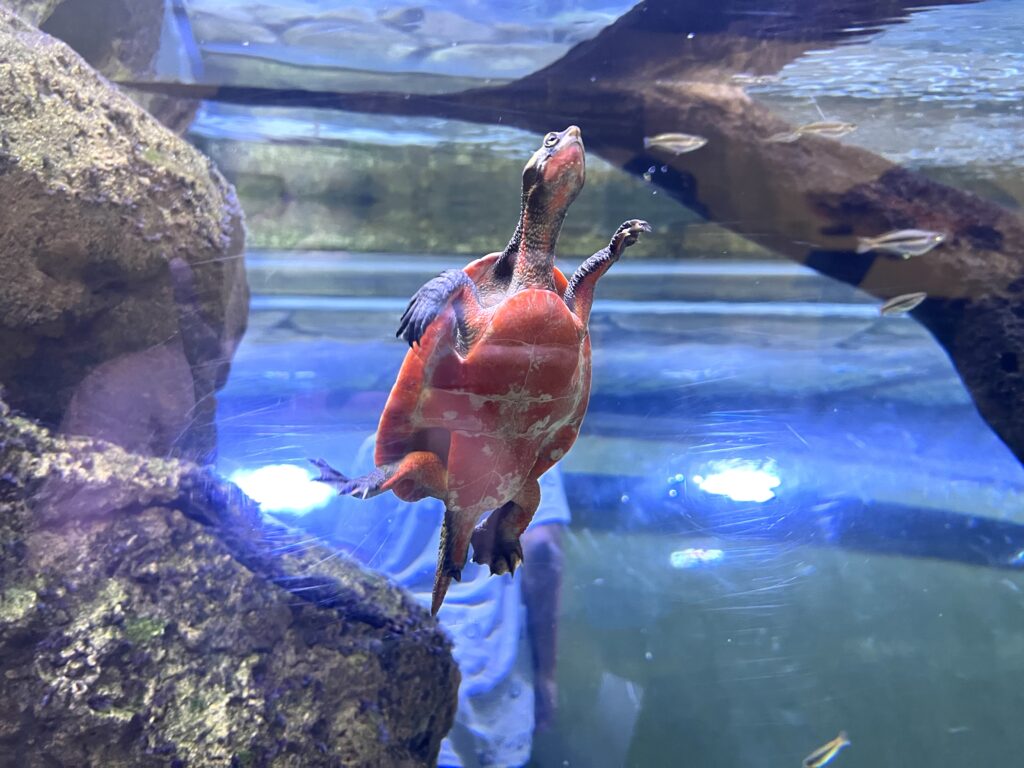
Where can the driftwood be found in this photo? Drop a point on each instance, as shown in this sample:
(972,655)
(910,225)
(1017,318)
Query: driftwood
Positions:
(666,67)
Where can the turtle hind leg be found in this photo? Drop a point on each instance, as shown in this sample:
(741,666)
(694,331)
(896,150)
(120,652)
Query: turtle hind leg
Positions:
(364,487)
(496,541)
(419,474)
(451,556)
(493,547)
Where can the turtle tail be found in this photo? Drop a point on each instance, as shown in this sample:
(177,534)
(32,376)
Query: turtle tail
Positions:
(451,557)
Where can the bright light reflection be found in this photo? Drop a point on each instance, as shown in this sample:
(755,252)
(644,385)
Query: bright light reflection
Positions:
(740,480)
(693,557)
(283,488)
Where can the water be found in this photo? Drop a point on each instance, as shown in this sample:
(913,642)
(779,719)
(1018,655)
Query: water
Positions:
(785,516)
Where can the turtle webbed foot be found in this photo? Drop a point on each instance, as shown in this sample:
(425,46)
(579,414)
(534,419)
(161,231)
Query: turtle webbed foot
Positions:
(363,487)
(430,301)
(627,234)
(420,313)
(328,474)
(500,553)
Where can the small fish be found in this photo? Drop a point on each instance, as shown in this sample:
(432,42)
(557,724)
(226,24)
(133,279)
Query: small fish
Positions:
(902,242)
(897,305)
(823,755)
(676,143)
(831,130)
(746,78)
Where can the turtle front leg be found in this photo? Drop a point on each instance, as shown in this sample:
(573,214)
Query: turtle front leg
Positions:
(496,540)
(452,285)
(579,295)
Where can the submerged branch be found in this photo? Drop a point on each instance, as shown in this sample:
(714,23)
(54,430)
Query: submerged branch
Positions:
(654,72)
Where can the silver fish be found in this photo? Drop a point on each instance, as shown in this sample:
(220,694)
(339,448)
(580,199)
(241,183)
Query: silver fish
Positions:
(746,78)
(897,305)
(676,143)
(824,754)
(831,130)
(902,242)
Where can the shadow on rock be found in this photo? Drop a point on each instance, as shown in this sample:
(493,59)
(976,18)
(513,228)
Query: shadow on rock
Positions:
(124,292)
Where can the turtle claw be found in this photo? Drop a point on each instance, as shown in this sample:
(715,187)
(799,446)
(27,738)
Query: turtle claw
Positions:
(328,474)
(429,301)
(363,487)
(628,233)
(415,320)
(513,558)
(500,555)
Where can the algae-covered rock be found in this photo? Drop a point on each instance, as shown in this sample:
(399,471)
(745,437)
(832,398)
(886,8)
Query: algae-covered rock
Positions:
(32,11)
(119,243)
(144,620)
(121,39)
(428,48)
(117,37)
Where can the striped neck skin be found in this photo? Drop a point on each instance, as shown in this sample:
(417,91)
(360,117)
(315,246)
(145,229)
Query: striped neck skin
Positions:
(552,179)
(534,260)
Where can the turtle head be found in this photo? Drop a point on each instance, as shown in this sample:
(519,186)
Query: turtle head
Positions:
(555,174)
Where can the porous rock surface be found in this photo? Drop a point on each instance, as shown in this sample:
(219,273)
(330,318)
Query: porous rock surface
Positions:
(118,242)
(32,11)
(120,38)
(144,620)
(117,37)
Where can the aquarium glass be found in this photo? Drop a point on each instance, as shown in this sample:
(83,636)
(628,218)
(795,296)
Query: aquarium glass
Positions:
(791,528)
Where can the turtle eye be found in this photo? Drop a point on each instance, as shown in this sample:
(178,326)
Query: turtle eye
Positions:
(551,139)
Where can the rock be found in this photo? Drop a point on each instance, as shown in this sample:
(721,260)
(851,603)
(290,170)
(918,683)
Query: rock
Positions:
(501,60)
(120,38)
(143,622)
(32,11)
(117,239)
(435,27)
(233,28)
(351,43)
(425,49)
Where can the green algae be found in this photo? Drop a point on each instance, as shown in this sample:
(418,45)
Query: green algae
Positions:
(142,609)
(16,603)
(143,629)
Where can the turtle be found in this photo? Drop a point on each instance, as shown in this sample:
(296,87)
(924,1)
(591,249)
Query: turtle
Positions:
(496,380)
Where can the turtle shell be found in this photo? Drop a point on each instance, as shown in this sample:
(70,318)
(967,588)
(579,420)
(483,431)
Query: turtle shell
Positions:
(500,414)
